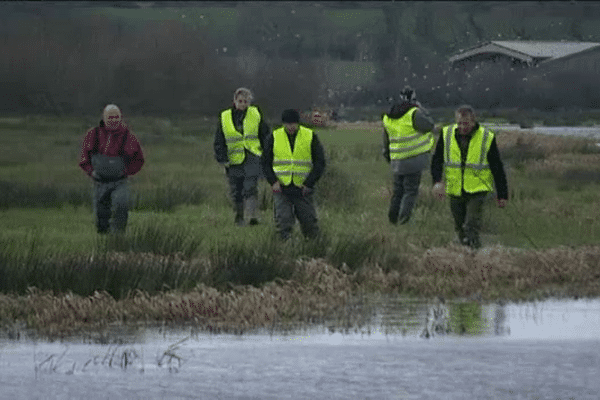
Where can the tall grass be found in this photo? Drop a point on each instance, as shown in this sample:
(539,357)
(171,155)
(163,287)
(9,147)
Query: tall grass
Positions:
(167,196)
(155,236)
(16,194)
(337,189)
(148,257)
(190,240)
(163,197)
(243,263)
(117,274)
(155,254)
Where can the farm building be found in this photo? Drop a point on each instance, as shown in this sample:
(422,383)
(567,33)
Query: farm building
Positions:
(526,54)
(503,72)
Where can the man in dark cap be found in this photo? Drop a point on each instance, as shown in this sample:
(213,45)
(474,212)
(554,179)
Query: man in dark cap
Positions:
(293,160)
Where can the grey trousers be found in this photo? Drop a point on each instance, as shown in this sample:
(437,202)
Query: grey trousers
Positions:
(243,185)
(289,206)
(404,197)
(111,199)
(467,211)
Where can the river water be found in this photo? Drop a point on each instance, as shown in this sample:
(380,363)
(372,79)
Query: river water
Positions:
(590,132)
(541,350)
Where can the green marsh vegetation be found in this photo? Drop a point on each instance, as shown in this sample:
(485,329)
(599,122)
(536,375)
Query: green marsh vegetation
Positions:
(183,260)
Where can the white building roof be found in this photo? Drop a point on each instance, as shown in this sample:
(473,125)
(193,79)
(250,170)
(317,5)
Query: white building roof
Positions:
(527,51)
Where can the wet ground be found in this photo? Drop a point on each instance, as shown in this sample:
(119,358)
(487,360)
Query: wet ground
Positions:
(544,350)
(591,132)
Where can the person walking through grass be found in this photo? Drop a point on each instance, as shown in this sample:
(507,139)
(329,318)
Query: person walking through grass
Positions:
(467,156)
(109,154)
(238,144)
(407,143)
(293,161)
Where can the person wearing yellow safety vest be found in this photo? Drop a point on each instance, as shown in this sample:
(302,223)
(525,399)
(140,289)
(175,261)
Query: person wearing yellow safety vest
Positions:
(407,144)
(238,144)
(467,156)
(293,161)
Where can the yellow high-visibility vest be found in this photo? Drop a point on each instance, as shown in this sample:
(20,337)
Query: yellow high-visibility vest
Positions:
(292,166)
(406,141)
(476,176)
(236,142)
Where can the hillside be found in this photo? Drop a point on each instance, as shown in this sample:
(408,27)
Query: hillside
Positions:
(330,51)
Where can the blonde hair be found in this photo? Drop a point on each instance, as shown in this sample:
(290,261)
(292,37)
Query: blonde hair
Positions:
(244,92)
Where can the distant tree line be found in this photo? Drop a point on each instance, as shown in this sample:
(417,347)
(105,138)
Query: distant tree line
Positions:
(66,63)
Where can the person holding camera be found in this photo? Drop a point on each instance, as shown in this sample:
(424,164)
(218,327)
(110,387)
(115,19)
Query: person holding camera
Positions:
(407,143)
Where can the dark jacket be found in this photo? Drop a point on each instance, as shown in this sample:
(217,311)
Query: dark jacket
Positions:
(220,144)
(493,158)
(120,142)
(318,161)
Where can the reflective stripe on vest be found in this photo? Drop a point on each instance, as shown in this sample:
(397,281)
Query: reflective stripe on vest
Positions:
(476,176)
(292,166)
(406,141)
(236,142)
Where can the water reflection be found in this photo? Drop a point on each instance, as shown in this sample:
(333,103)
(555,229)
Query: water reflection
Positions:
(380,315)
(372,349)
(426,319)
(551,319)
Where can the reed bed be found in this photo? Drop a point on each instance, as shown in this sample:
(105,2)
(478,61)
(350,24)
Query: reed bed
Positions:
(512,273)
(316,291)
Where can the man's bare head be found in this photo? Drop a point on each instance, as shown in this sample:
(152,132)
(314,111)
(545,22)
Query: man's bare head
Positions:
(112,116)
(242,98)
(465,119)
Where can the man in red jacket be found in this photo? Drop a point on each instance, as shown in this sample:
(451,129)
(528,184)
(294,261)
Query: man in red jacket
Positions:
(109,154)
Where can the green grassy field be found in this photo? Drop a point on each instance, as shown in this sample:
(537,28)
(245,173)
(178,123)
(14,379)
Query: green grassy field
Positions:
(45,191)
(181,234)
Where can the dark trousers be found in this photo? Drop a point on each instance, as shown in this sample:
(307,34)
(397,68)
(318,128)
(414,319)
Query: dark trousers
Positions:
(404,197)
(467,211)
(111,199)
(243,186)
(290,205)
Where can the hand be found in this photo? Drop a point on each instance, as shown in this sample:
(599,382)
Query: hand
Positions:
(439,190)
(306,190)
(276,187)
(502,203)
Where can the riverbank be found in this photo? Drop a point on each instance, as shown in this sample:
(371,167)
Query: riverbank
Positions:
(317,292)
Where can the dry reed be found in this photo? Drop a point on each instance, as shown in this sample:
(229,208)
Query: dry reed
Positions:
(318,291)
